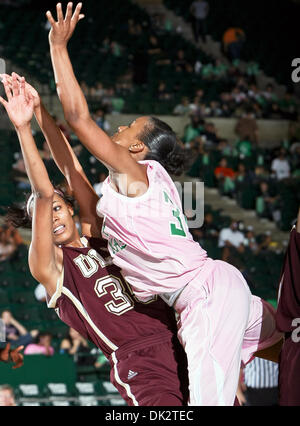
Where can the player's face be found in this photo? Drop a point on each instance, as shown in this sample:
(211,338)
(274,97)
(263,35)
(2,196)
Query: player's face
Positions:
(128,135)
(64,228)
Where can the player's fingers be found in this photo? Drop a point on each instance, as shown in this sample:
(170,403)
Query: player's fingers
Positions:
(5,76)
(69,11)
(76,13)
(15,85)
(50,18)
(81,16)
(17,75)
(3,102)
(7,88)
(22,86)
(60,16)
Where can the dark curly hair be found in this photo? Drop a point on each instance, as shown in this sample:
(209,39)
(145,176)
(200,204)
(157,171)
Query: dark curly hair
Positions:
(18,216)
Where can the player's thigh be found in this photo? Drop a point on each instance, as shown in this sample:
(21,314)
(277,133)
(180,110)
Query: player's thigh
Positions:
(154,376)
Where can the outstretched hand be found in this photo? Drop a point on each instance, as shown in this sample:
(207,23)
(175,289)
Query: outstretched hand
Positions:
(20,103)
(29,89)
(14,355)
(62,29)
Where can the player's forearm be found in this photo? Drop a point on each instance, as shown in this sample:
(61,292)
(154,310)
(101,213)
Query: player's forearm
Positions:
(35,168)
(69,92)
(61,151)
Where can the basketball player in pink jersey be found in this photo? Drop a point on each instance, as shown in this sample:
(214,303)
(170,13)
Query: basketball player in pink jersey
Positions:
(148,365)
(220,323)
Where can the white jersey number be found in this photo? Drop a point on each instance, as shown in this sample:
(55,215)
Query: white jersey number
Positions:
(121,302)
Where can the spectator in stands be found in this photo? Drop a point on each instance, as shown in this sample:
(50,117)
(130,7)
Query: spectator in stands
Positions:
(180,61)
(99,117)
(224,147)
(214,109)
(199,10)
(42,346)
(243,176)
(288,106)
(264,242)
(280,165)
(209,230)
(250,240)
(269,93)
(233,41)
(19,173)
(246,127)
(7,396)
(101,360)
(16,333)
(163,93)
(225,176)
(85,88)
(196,107)
(211,134)
(182,108)
(244,148)
(231,240)
(269,203)
(97,91)
(76,345)
(193,129)
(261,383)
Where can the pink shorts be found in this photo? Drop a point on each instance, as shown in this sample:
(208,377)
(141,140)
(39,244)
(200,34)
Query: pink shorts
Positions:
(221,325)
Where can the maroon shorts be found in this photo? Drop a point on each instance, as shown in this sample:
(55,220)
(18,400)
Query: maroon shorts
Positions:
(152,374)
(289,373)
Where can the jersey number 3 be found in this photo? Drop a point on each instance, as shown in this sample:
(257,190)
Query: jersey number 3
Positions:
(120,302)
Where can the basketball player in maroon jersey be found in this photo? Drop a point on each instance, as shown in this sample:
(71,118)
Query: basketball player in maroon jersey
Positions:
(148,365)
(288,321)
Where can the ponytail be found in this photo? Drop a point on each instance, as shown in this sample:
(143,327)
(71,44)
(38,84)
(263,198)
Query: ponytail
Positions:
(164,146)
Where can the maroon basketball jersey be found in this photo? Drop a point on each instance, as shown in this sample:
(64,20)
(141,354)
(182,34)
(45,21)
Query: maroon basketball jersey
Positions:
(94,299)
(289,290)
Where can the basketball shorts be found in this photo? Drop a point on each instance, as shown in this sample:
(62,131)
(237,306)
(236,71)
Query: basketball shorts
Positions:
(152,373)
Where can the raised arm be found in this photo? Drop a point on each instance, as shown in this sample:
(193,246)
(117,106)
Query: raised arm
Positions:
(68,164)
(70,167)
(74,104)
(42,253)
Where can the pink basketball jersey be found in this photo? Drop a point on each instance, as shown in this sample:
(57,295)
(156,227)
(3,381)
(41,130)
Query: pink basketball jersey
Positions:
(148,236)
